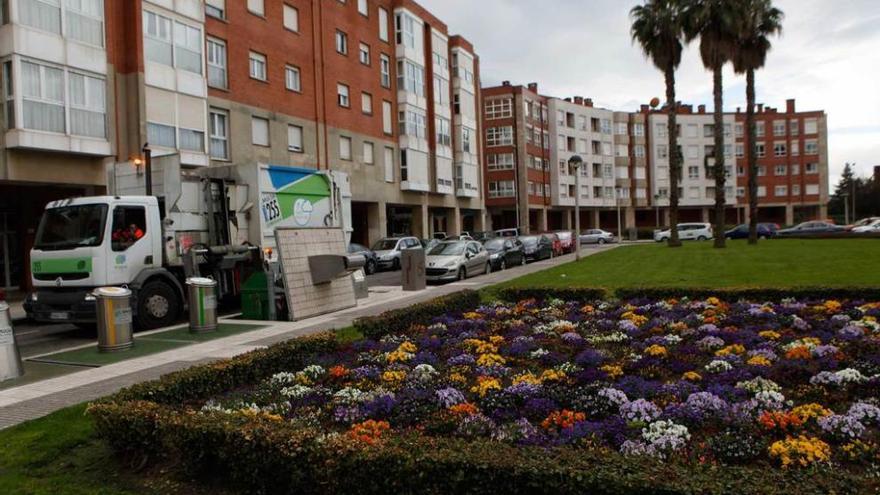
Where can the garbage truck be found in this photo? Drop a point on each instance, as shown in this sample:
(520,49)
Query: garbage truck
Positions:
(215,221)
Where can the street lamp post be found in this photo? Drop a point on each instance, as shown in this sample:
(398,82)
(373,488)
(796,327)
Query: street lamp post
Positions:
(576,161)
(617,204)
(148,168)
(657,211)
(845,208)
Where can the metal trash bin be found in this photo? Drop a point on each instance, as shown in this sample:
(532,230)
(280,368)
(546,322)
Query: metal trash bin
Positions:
(114,319)
(412,273)
(10,359)
(202,304)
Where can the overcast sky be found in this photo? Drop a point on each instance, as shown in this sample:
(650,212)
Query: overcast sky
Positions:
(828,58)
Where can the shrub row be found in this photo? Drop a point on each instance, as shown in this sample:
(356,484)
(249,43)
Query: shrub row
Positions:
(261,455)
(400,320)
(513,294)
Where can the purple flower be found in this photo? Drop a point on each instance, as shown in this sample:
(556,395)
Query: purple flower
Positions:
(589,358)
(865,412)
(639,410)
(843,427)
(450,396)
(461,360)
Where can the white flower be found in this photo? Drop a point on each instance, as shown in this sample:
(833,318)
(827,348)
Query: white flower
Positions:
(282,378)
(296,391)
(539,353)
(349,396)
(424,373)
(718,366)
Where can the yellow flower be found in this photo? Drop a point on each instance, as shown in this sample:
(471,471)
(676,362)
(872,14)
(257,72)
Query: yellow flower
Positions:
(485,384)
(393,376)
(678,326)
(399,356)
(638,320)
(759,361)
(691,376)
(713,301)
(809,411)
(612,370)
(490,360)
(731,349)
(472,316)
(587,309)
(552,376)
(832,306)
(656,351)
(407,347)
(769,335)
(496,339)
(527,377)
(480,347)
(457,378)
(801,450)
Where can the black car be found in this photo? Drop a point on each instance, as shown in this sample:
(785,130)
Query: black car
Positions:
(372,259)
(812,228)
(765,231)
(537,247)
(504,252)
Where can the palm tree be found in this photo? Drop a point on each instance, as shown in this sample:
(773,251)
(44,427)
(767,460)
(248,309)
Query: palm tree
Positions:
(759,21)
(657,26)
(714,22)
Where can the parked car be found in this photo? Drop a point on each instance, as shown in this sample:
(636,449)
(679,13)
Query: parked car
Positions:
(597,236)
(871,228)
(507,233)
(536,247)
(483,236)
(427,244)
(372,260)
(566,238)
(555,242)
(863,223)
(505,252)
(687,231)
(461,237)
(812,228)
(456,260)
(765,231)
(440,236)
(388,250)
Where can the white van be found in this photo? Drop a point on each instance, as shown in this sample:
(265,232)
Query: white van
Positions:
(687,231)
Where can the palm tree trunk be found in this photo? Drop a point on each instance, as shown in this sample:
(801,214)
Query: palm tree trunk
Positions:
(753,157)
(720,171)
(674,157)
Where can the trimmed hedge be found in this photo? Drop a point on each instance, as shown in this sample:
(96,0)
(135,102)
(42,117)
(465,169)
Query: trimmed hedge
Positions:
(513,294)
(400,320)
(260,455)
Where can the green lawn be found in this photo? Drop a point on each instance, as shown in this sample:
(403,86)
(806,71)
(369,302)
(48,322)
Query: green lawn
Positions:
(770,264)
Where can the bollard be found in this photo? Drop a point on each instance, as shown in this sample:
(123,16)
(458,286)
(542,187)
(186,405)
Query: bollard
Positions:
(10,359)
(114,319)
(202,304)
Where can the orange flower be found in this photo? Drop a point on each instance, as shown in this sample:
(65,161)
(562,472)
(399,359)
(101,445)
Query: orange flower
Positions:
(369,431)
(562,419)
(781,420)
(338,372)
(799,352)
(464,409)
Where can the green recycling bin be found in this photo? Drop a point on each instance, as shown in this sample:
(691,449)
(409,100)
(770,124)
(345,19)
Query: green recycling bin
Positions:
(255,298)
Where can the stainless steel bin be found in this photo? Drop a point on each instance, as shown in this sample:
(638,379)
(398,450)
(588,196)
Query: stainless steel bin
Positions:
(10,359)
(202,304)
(114,319)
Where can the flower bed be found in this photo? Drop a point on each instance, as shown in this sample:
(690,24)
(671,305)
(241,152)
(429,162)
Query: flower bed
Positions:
(641,394)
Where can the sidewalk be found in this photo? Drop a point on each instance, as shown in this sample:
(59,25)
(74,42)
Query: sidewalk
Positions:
(38,399)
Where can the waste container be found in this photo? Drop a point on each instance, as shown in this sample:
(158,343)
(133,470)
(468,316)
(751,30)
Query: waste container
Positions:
(10,359)
(412,269)
(255,298)
(202,304)
(114,319)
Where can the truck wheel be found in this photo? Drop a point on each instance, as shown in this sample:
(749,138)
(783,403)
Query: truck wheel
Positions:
(157,306)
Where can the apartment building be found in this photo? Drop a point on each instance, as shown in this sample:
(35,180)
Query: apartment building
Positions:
(792,150)
(375,88)
(625,171)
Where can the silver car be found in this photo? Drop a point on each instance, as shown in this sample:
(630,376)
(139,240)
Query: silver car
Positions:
(597,236)
(388,250)
(456,260)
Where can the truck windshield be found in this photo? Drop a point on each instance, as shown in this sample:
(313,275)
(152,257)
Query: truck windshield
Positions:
(71,226)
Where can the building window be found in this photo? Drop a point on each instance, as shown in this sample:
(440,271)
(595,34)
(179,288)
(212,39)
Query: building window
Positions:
(811,126)
(294,138)
(387,125)
(411,77)
(812,168)
(661,130)
(639,150)
(501,189)
(385,70)
(258,66)
(794,128)
(406,30)
(217,63)
(759,149)
(161,135)
(456,104)
(501,161)
(444,131)
(693,172)
(466,134)
(413,124)
(367,103)
(383,24)
(192,140)
(796,190)
(639,130)
(811,147)
(219,138)
(759,129)
(342,95)
(779,128)
(795,148)
(780,170)
(363,8)
(187,47)
(9,92)
(84,21)
(780,191)
(291,18)
(44,15)
(499,108)
(389,164)
(42,97)
(216,8)
(812,189)
(256,7)
(87,105)
(795,169)
(260,131)
(344,148)
(500,136)
(779,149)
(739,130)
(662,151)
(341,42)
(441,90)
(157,39)
(369,159)
(365,53)
(292,78)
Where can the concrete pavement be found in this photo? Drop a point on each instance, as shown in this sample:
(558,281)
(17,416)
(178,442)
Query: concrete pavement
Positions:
(40,398)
